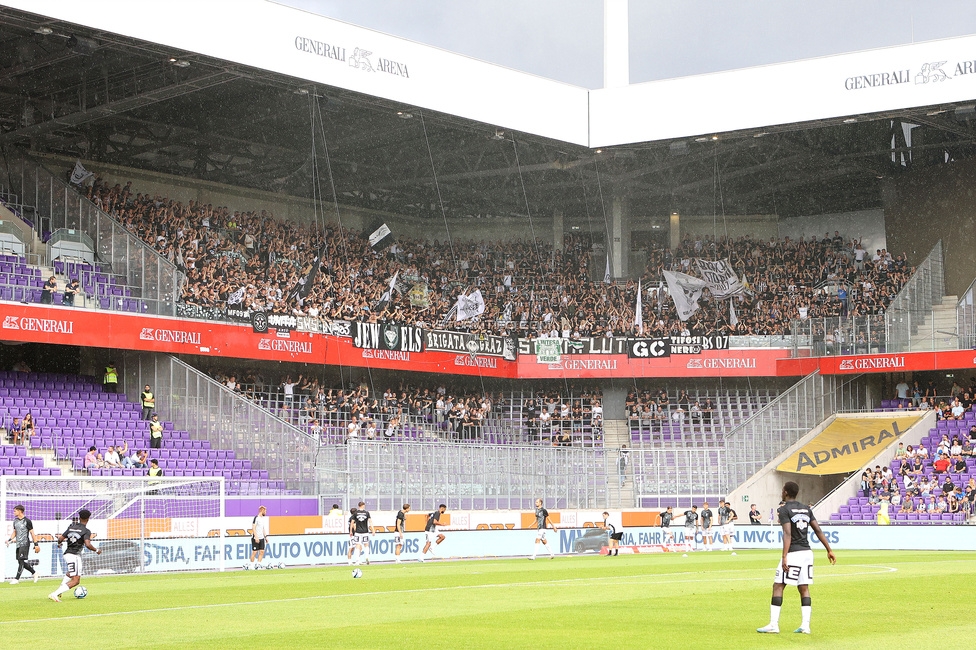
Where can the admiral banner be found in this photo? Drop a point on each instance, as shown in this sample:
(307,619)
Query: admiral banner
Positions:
(846,445)
(388,336)
(477,344)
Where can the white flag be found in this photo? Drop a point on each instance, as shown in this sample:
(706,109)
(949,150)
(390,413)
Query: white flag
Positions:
(685,290)
(470,306)
(236,297)
(79,175)
(606,274)
(721,279)
(733,319)
(639,312)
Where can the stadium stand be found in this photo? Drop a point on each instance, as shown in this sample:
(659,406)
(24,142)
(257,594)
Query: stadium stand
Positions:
(256,261)
(72,414)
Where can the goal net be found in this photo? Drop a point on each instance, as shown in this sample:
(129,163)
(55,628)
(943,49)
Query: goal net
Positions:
(140,524)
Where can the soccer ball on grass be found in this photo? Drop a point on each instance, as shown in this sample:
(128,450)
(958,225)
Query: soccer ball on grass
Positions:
(357,573)
(81,592)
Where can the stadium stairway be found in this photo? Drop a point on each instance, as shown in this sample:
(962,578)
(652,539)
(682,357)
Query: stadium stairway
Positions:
(938,330)
(616,434)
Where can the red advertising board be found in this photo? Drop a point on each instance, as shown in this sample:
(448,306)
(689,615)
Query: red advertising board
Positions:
(891,362)
(739,362)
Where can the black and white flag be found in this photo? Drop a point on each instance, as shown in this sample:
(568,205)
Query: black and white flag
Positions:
(471,305)
(686,291)
(237,297)
(79,174)
(380,238)
(304,287)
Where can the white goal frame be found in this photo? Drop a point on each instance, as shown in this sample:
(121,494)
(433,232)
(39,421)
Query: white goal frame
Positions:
(129,514)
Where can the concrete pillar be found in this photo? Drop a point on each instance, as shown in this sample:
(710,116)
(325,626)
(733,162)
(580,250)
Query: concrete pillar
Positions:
(675,230)
(557,230)
(620,228)
(616,44)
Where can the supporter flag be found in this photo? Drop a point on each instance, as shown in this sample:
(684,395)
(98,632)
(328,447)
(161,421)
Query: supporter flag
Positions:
(469,306)
(420,295)
(639,312)
(733,318)
(305,283)
(388,294)
(380,238)
(606,274)
(237,297)
(79,175)
(685,290)
(720,277)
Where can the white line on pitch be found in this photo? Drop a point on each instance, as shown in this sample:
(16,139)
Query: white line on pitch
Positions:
(606,580)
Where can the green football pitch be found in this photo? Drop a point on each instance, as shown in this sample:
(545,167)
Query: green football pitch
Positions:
(869,599)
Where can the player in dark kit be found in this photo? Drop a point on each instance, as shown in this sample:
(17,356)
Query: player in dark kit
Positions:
(78,538)
(433,537)
(666,517)
(691,525)
(399,528)
(706,526)
(796,566)
(360,528)
(23,535)
(541,519)
(615,537)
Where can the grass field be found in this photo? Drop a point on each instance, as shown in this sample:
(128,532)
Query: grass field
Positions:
(869,599)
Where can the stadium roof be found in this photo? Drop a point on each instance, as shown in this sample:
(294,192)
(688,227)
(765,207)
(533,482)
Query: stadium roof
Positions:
(790,139)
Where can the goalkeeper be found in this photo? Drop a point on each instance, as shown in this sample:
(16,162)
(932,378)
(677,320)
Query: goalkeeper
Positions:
(23,534)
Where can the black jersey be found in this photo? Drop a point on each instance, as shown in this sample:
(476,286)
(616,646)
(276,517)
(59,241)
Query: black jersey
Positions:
(691,518)
(731,516)
(433,519)
(666,518)
(76,534)
(706,517)
(541,514)
(723,515)
(23,527)
(401,522)
(800,516)
(361,521)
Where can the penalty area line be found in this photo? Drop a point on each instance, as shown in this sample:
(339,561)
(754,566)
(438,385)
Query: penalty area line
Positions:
(649,578)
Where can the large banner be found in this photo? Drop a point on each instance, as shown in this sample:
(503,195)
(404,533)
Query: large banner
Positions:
(505,347)
(846,445)
(388,336)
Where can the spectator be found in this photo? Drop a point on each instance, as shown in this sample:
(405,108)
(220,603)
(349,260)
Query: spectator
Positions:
(47,293)
(91,458)
(70,291)
(941,464)
(136,461)
(16,431)
(352,429)
(155,432)
(755,517)
(27,427)
(112,460)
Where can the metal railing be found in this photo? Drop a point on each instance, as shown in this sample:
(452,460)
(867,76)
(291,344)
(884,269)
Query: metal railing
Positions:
(679,477)
(913,304)
(786,419)
(966,318)
(210,411)
(56,205)
(469,477)
(835,335)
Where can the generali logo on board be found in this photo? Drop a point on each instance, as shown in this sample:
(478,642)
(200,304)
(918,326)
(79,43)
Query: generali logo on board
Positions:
(47,325)
(285,345)
(873,363)
(169,336)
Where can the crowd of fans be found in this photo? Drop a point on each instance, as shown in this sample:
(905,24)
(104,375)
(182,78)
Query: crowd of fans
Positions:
(542,415)
(257,261)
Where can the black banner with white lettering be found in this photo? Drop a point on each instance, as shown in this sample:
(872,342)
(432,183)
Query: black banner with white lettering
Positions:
(648,348)
(698,344)
(388,336)
(478,344)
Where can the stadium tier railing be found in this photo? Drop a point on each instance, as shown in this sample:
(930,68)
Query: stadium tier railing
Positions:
(55,205)
(892,331)
(471,476)
(782,422)
(194,402)
(966,318)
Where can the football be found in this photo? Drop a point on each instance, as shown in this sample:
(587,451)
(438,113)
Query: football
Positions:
(281,565)
(357,573)
(81,592)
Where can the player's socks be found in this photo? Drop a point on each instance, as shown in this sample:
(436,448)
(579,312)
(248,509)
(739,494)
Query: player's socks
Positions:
(776,604)
(805,611)
(61,589)
(37,577)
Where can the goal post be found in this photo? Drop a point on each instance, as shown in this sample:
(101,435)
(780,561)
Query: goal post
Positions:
(140,524)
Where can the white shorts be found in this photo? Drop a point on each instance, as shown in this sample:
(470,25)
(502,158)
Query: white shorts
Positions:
(540,534)
(728,529)
(361,538)
(432,536)
(800,569)
(73,565)
(668,533)
(398,538)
